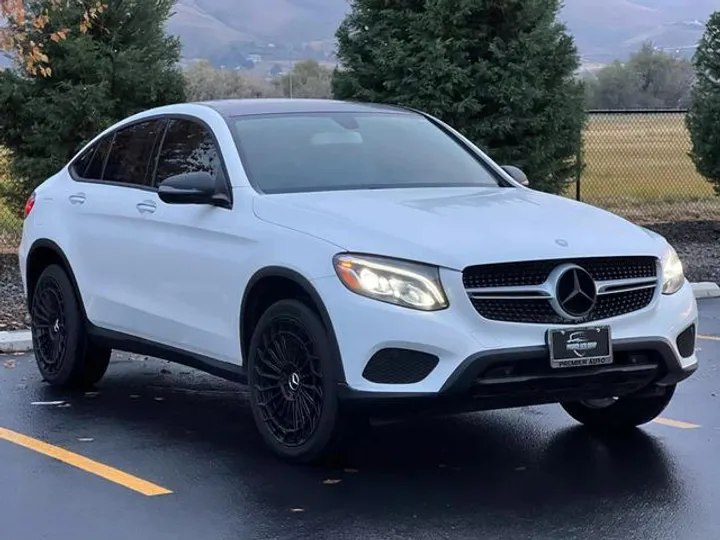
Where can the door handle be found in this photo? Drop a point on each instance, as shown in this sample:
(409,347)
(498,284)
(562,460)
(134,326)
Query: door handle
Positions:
(146,207)
(77,198)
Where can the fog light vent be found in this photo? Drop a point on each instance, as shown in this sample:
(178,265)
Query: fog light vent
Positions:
(686,342)
(399,366)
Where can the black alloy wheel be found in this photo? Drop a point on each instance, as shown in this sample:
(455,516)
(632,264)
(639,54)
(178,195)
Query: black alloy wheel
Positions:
(49,327)
(293,398)
(289,382)
(63,352)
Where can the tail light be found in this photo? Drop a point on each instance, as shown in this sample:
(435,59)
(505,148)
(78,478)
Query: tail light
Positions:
(29,205)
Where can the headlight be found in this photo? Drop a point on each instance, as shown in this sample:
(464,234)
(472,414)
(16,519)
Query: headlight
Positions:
(406,284)
(672,269)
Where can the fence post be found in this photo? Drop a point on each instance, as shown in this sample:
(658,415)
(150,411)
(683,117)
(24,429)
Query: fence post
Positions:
(578,167)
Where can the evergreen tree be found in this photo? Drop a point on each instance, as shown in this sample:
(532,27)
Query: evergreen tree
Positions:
(123,64)
(500,71)
(703,120)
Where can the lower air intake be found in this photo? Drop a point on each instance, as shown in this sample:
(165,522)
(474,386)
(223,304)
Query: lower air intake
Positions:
(399,366)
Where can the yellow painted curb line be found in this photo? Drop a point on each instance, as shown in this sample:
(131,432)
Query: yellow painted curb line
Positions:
(88,465)
(675,423)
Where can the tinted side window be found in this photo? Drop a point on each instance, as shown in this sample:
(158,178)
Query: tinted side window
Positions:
(81,164)
(188,147)
(94,171)
(131,151)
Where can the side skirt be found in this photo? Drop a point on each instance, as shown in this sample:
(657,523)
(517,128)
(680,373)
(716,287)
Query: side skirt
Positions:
(135,345)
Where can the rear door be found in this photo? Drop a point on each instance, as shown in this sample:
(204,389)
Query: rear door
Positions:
(111,203)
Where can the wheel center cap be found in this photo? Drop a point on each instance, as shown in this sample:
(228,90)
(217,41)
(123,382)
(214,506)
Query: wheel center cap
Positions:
(56,326)
(294,381)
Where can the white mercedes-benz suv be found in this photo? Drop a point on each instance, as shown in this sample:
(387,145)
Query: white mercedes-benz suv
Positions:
(346,260)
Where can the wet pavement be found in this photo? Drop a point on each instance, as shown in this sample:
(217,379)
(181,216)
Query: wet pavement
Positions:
(523,473)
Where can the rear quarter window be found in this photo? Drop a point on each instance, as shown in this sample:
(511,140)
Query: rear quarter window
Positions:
(90,165)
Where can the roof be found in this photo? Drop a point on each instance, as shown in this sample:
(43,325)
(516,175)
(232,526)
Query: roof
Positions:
(243,107)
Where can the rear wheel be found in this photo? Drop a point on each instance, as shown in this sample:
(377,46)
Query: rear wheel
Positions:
(63,353)
(620,414)
(293,395)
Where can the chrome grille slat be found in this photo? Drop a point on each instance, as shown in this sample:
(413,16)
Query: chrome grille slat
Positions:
(619,285)
(508,297)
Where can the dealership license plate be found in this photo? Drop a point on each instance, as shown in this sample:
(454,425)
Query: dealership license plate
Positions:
(578,347)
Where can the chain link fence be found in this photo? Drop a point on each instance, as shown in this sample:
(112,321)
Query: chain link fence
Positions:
(636,164)
(10,222)
(9,230)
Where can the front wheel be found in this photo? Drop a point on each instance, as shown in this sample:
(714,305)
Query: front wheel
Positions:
(620,414)
(293,395)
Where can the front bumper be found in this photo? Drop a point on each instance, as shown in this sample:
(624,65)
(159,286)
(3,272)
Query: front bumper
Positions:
(500,364)
(523,377)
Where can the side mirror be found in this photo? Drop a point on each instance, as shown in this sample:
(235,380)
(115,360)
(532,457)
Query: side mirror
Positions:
(188,188)
(516,174)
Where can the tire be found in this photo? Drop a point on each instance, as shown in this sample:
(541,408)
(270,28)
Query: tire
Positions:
(624,414)
(63,352)
(290,379)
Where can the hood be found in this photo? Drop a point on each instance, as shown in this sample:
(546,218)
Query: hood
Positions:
(458,227)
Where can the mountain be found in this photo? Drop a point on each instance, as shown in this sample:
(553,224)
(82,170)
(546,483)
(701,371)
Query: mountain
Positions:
(607,30)
(210,27)
(223,29)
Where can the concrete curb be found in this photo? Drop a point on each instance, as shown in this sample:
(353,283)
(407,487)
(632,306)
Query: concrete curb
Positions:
(21,340)
(16,341)
(706,290)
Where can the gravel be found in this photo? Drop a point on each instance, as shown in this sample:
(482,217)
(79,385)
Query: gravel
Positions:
(13,311)
(695,241)
(697,245)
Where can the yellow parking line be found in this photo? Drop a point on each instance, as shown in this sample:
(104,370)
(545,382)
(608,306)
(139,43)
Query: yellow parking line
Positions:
(711,338)
(675,423)
(88,465)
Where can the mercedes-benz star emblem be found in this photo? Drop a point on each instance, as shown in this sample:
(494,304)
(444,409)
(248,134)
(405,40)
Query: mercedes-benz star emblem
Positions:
(294,382)
(575,292)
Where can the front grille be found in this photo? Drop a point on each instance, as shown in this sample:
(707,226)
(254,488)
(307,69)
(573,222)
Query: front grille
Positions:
(527,273)
(530,274)
(540,367)
(570,386)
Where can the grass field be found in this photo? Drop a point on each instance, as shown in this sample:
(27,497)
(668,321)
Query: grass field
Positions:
(638,165)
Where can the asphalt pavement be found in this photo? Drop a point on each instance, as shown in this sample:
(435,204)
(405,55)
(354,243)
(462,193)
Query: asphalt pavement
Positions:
(164,452)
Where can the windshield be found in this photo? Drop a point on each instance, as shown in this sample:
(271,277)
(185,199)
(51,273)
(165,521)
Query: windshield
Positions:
(285,153)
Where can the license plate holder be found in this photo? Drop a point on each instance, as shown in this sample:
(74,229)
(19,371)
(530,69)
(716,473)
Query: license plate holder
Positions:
(580,347)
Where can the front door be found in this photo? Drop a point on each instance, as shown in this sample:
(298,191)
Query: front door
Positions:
(194,280)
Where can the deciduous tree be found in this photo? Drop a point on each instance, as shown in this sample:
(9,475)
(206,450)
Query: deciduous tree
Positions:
(205,82)
(15,36)
(650,79)
(307,79)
